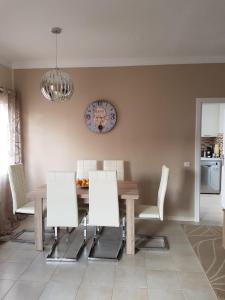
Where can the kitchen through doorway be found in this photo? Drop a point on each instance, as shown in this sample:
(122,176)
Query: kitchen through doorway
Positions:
(210,160)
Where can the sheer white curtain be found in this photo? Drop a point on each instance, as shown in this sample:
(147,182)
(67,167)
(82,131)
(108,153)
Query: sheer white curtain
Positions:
(10,152)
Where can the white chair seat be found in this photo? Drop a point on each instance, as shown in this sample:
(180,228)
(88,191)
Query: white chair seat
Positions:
(28,208)
(147,212)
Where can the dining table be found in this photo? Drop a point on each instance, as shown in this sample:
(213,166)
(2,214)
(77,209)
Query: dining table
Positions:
(127,192)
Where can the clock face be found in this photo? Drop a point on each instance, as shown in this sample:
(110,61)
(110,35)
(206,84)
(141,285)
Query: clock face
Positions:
(100,116)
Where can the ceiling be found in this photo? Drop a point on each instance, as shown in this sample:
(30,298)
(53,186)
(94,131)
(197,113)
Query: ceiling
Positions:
(111,32)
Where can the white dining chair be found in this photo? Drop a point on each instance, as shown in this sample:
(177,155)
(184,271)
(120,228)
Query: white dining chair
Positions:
(104,208)
(21,205)
(115,165)
(154,212)
(62,209)
(84,166)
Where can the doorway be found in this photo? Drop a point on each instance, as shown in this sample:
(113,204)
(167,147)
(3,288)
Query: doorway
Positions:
(208,207)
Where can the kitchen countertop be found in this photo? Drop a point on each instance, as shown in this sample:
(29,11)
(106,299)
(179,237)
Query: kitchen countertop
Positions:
(210,158)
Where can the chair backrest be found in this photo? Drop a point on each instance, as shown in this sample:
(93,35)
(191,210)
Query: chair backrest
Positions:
(162,190)
(115,165)
(62,208)
(17,186)
(84,166)
(103,199)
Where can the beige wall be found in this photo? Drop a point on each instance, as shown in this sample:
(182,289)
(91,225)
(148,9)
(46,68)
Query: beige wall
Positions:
(5,77)
(156,125)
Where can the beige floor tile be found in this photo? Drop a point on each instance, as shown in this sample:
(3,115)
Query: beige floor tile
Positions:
(88,293)
(180,246)
(138,253)
(59,291)
(171,228)
(5,253)
(38,271)
(150,252)
(165,295)
(24,290)
(122,293)
(207,294)
(5,285)
(99,274)
(130,277)
(147,275)
(21,255)
(162,279)
(9,270)
(137,260)
(41,259)
(210,209)
(171,232)
(177,240)
(193,281)
(187,263)
(69,273)
(160,262)
(182,250)
(16,245)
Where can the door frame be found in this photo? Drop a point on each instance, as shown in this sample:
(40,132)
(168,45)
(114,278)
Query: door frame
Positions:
(199,102)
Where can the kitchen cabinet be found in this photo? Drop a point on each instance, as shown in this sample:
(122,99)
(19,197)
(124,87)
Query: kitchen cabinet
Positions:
(210,119)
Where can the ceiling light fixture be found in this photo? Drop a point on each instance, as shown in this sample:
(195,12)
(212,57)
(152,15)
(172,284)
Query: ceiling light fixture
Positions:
(56,85)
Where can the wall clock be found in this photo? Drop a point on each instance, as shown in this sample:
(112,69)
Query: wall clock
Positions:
(100,116)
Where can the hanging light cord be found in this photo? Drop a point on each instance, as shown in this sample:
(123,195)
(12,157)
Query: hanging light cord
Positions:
(56,31)
(56,51)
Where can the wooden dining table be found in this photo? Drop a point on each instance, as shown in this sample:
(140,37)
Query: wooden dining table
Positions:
(127,192)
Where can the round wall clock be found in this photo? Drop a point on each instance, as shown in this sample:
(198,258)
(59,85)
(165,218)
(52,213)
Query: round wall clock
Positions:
(100,116)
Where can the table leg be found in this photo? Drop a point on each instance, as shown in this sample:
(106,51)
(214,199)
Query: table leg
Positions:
(130,229)
(38,225)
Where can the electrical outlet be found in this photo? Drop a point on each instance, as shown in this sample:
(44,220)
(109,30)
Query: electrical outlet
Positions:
(187,164)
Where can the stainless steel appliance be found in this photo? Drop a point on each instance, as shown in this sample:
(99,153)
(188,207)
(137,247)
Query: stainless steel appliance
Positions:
(211,176)
(209,151)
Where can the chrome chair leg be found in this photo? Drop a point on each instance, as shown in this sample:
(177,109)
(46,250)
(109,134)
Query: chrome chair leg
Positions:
(85,228)
(152,242)
(124,229)
(74,258)
(95,233)
(56,232)
(49,257)
(100,229)
(96,241)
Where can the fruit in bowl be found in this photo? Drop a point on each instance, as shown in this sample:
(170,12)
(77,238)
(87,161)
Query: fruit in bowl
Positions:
(82,182)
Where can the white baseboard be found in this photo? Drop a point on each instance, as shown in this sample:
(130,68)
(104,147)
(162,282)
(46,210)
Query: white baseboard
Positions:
(180,218)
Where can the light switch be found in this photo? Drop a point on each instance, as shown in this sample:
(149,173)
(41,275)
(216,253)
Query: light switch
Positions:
(187,164)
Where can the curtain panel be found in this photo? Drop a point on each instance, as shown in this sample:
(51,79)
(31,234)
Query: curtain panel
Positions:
(10,153)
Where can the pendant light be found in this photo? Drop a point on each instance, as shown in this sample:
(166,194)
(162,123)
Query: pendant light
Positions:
(56,85)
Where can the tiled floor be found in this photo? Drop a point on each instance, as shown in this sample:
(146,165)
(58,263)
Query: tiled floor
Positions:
(172,275)
(211,210)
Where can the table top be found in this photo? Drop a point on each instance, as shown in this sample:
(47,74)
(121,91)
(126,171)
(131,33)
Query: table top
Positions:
(126,190)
